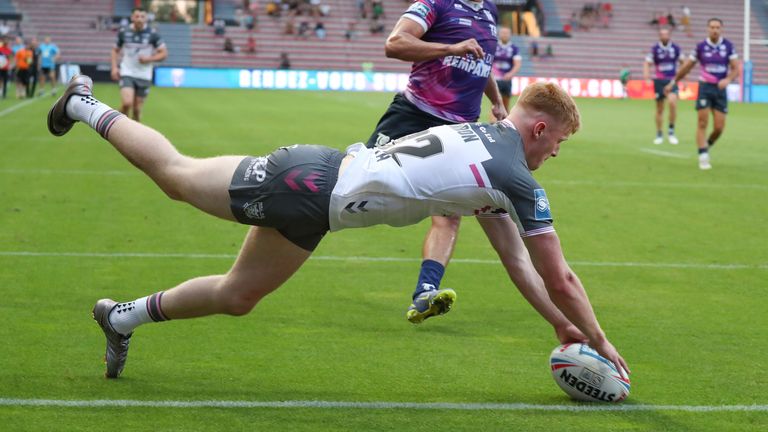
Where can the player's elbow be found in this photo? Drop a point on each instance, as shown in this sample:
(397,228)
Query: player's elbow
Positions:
(393,46)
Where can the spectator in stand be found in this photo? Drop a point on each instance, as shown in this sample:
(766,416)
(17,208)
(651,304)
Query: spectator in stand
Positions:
(303,29)
(4,29)
(574,21)
(249,21)
(350,33)
(534,49)
(272,9)
(320,30)
(229,46)
(376,26)
(377,9)
(285,62)
(550,52)
(5,65)
(362,10)
(49,56)
(671,20)
(250,46)
(219,27)
(685,21)
(290,26)
(23,59)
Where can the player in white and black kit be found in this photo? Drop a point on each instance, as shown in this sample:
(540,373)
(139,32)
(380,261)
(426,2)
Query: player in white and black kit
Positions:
(296,194)
(140,46)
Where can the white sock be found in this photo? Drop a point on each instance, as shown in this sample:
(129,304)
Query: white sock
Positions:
(127,316)
(87,109)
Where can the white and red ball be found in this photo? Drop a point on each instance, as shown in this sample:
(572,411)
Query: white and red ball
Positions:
(587,376)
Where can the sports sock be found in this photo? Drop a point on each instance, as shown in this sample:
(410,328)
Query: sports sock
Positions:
(429,277)
(89,110)
(710,142)
(671,129)
(658,134)
(127,316)
(703,150)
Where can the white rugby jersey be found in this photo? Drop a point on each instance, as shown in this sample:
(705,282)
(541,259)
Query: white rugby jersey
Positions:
(466,169)
(135,44)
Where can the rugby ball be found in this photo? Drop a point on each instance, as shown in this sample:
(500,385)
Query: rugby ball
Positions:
(586,376)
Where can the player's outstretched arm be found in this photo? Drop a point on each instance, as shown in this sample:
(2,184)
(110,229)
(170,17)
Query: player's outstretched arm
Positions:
(568,294)
(404,43)
(505,239)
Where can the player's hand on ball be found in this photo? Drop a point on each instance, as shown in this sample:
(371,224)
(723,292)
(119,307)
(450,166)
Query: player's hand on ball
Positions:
(570,334)
(607,350)
(469,46)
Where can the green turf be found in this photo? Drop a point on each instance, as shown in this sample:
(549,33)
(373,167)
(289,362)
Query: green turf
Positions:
(336,331)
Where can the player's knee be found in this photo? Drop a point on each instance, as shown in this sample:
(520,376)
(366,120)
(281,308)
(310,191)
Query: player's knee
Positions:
(239,300)
(702,123)
(446,223)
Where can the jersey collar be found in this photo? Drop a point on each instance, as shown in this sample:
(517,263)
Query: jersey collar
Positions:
(719,42)
(476,6)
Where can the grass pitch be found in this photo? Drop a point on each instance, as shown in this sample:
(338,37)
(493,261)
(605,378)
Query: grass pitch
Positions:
(674,260)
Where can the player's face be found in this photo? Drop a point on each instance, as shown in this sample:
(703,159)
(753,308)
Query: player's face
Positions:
(505,34)
(139,19)
(715,30)
(546,143)
(664,36)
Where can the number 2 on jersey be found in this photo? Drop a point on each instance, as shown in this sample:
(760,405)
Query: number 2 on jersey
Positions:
(430,145)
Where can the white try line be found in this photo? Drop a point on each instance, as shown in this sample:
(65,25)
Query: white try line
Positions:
(617,184)
(13,108)
(151,255)
(108,403)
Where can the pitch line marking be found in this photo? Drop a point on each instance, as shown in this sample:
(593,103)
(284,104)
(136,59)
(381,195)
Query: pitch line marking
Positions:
(545,181)
(19,105)
(731,266)
(101,403)
(664,153)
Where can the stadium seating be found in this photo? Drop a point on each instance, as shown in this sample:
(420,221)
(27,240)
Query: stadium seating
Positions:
(629,37)
(624,43)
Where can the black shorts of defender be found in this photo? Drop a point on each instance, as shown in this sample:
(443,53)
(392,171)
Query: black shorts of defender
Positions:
(402,118)
(658,88)
(289,190)
(505,87)
(139,86)
(46,70)
(712,97)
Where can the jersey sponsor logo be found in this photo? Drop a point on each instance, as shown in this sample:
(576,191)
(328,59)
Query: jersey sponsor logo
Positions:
(254,210)
(477,67)
(465,22)
(542,211)
(419,9)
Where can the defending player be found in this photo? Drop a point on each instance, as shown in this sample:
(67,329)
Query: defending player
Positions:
(140,46)
(506,64)
(665,56)
(451,44)
(719,67)
(296,194)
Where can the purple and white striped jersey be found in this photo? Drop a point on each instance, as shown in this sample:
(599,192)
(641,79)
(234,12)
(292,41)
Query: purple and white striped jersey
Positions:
(714,58)
(452,87)
(665,59)
(464,170)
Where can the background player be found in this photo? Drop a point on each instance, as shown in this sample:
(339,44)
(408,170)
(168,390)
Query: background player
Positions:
(140,46)
(451,44)
(485,169)
(506,64)
(665,56)
(49,55)
(719,67)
